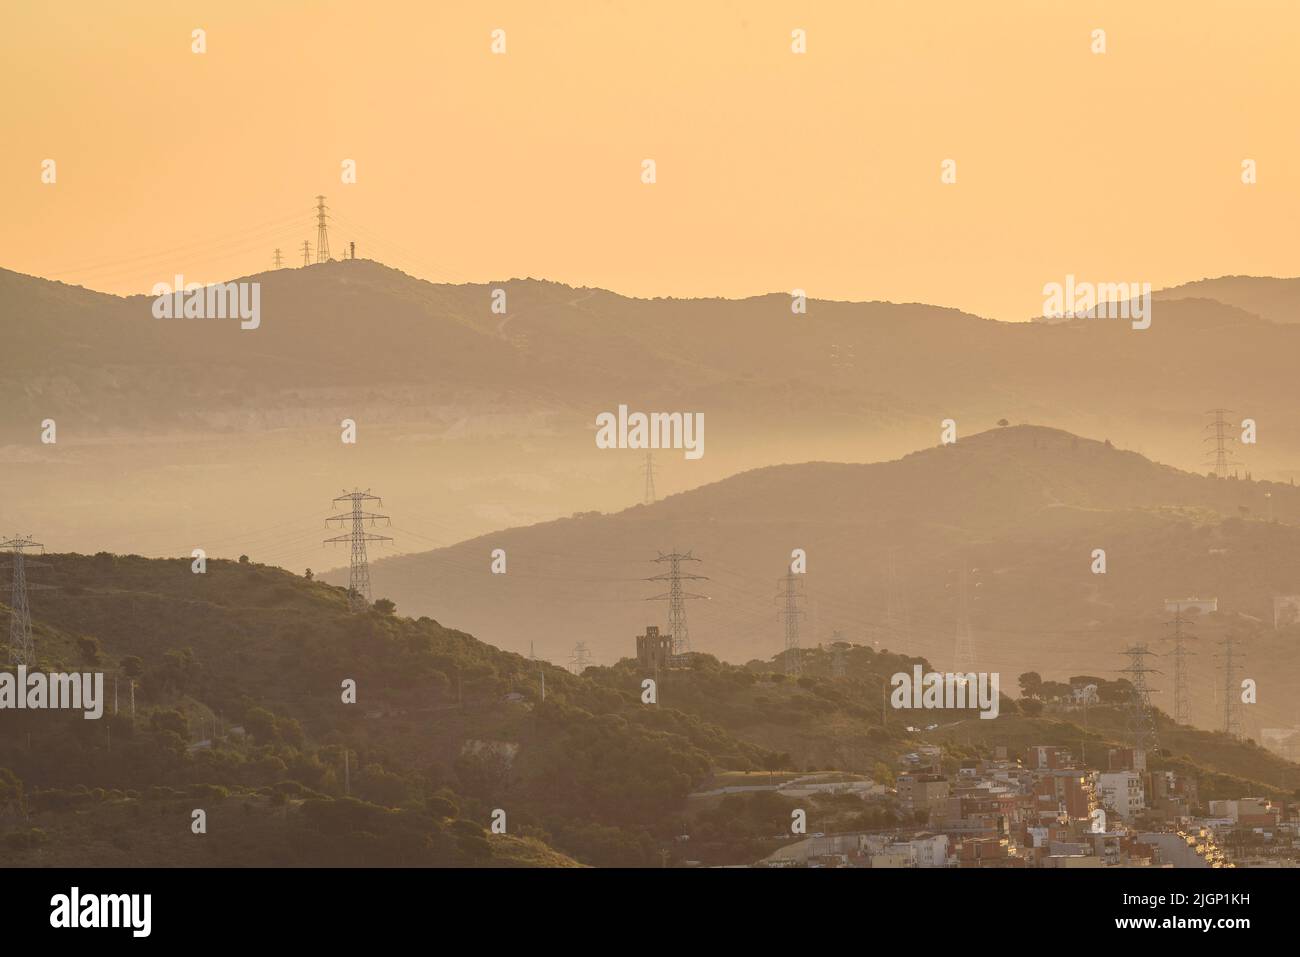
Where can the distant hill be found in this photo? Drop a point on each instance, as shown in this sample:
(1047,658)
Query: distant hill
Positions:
(469,421)
(1277,300)
(1021,508)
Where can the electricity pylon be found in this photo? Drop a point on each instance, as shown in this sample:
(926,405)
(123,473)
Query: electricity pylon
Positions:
(1231,689)
(322,233)
(1142,726)
(1221,439)
(278,259)
(306,253)
(1182,701)
(21,649)
(791,613)
(676,598)
(359,575)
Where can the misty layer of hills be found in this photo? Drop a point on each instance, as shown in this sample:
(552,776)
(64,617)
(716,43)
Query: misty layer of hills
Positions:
(474,425)
(360,339)
(1020,509)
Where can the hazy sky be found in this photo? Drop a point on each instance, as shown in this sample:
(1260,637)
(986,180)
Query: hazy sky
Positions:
(775,171)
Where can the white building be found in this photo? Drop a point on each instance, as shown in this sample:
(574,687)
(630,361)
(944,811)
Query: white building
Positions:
(1121,792)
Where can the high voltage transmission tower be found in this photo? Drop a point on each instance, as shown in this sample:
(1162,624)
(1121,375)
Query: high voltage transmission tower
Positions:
(21,649)
(649,478)
(1141,725)
(676,597)
(278,259)
(1231,689)
(1182,701)
(580,660)
(791,613)
(322,233)
(1222,438)
(306,253)
(359,576)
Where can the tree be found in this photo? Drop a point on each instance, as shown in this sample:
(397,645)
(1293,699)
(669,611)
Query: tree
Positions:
(260,723)
(1003,422)
(1031,683)
(243,559)
(89,649)
(308,576)
(385,606)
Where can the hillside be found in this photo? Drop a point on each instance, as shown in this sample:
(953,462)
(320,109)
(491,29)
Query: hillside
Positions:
(434,743)
(469,421)
(238,712)
(1021,508)
(1277,300)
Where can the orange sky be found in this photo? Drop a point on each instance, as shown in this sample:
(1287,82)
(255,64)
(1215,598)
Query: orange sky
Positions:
(775,170)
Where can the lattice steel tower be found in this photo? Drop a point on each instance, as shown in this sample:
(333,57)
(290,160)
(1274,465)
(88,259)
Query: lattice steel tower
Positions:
(676,597)
(1220,435)
(359,576)
(1182,701)
(1141,725)
(21,649)
(322,233)
(791,613)
(1231,689)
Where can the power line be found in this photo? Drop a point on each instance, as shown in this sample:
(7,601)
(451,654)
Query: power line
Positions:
(359,576)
